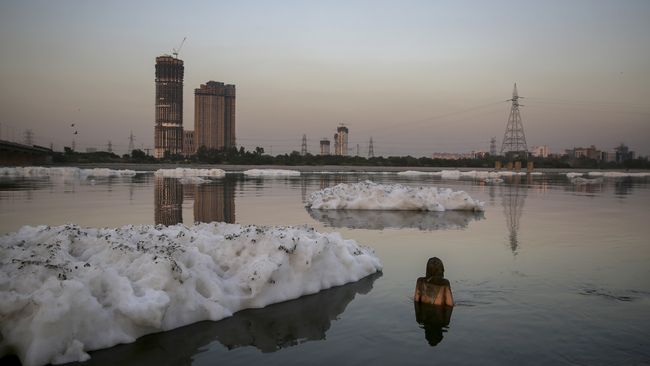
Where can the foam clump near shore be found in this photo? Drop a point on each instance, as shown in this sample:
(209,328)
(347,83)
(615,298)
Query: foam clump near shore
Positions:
(457,174)
(67,290)
(38,171)
(190,173)
(619,174)
(372,196)
(271,173)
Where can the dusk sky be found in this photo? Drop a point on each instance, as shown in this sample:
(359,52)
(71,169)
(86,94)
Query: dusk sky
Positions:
(418,76)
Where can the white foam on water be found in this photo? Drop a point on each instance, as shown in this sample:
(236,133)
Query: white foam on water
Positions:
(271,173)
(619,174)
(372,196)
(574,175)
(457,174)
(38,171)
(416,173)
(190,172)
(193,180)
(67,290)
(580,180)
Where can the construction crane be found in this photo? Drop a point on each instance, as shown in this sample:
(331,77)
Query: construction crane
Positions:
(175,51)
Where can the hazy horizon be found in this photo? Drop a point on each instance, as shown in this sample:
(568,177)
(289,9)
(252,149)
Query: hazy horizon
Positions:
(419,77)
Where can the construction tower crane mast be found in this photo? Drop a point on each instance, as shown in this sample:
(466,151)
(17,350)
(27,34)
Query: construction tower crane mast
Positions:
(176,51)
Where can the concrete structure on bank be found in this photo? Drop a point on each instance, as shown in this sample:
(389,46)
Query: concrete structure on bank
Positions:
(214,116)
(13,153)
(168,133)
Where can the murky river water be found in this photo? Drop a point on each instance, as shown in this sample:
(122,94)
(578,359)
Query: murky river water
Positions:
(552,273)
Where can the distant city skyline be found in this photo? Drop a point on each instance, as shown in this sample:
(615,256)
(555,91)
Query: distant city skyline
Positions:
(418,77)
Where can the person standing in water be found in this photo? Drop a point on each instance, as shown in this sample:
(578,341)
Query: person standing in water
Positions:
(434,289)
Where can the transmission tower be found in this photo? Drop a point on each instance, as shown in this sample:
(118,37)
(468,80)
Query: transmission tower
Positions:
(371,149)
(514,140)
(303,147)
(493,146)
(131,140)
(109,146)
(29,137)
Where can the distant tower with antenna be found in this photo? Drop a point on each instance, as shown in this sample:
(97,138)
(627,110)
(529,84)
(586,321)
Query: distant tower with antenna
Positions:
(514,140)
(131,143)
(493,146)
(303,147)
(371,149)
(109,146)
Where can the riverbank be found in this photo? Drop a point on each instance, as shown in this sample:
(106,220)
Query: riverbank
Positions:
(139,167)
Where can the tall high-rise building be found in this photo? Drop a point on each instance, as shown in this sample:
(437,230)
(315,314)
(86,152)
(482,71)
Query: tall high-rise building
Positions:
(324,147)
(169,106)
(214,116)
(341,141)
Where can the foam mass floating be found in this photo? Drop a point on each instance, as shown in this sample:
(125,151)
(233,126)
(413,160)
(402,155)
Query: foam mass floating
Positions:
(190,173)
(271,173)
(37,171)
(372,196)
(67,290)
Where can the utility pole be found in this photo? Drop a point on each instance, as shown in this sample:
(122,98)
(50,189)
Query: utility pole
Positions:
(371,149)
(514,140)
(29,137)
(303,147)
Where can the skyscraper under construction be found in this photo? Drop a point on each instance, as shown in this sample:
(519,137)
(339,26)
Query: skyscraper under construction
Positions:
(214,116)
(169,106)
(341,140)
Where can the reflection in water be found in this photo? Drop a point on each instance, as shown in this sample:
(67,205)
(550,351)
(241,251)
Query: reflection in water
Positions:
(215,202)
(513,205)
(268,329)
(434,319)
(623,187)
(168,201)
(379,220)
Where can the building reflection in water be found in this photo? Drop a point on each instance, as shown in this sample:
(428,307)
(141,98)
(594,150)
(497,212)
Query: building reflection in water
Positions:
(514,196)
(268,329)
(168,201)
(434,319)
(215,201)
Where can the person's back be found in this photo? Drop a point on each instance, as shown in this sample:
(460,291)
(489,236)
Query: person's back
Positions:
(434,288)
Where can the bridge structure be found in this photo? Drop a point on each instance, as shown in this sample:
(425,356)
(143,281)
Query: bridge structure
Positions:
(13,153)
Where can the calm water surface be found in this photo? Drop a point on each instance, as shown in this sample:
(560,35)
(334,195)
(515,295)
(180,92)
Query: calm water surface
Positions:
(551,273)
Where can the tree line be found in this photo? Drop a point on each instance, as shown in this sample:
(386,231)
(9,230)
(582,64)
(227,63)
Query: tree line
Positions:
(258,156)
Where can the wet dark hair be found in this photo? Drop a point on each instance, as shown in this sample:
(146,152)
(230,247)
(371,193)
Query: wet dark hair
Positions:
(435,268)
